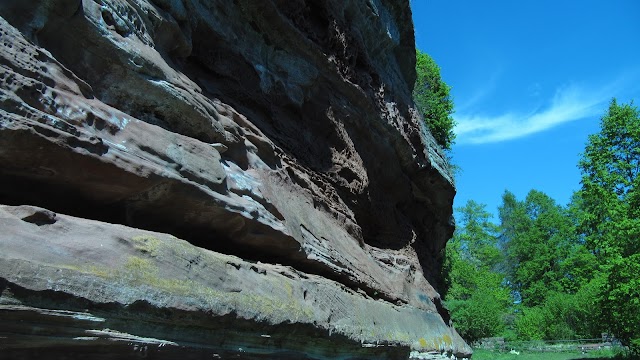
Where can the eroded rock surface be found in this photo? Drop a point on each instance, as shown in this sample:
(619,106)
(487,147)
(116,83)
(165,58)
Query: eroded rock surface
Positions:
(277,139)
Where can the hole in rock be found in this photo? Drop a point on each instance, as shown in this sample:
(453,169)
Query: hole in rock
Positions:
(41,217)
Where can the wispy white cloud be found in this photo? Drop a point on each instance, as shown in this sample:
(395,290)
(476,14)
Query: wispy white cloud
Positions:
(569,103)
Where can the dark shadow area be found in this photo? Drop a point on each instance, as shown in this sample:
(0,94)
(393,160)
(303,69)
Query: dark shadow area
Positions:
(28,333)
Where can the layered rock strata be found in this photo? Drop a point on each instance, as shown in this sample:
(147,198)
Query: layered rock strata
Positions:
(249,178)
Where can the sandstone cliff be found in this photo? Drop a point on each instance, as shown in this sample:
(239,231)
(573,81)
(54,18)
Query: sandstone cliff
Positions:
(246,179)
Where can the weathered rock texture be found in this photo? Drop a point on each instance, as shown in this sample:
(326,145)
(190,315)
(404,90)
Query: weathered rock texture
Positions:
(277,138)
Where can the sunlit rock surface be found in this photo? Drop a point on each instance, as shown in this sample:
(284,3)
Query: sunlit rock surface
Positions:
(244,178)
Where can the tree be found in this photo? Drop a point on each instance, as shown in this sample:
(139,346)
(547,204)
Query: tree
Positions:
(610,216)
(476,295)
(479,316)
(471,252)
(541,246)
(432,97)
(549,268)
(561,316)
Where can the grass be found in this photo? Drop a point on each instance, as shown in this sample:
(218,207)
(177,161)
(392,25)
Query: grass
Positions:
(480,354)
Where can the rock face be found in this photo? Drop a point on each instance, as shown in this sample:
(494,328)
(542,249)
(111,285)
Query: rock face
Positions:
(236,179)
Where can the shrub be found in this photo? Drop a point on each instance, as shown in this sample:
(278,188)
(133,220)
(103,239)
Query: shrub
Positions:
(530,324)
(478,317)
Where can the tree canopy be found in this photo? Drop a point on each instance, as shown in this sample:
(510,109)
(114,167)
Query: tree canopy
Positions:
(476,294)
(610,215)
(433,99)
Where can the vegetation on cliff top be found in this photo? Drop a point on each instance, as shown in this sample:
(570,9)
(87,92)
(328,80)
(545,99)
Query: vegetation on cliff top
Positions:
(548,271)
(433,99)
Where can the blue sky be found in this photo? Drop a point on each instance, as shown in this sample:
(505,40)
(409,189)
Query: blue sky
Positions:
(530,81)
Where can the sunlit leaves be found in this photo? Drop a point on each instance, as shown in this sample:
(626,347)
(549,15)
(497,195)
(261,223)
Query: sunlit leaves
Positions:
(433,99)
(477,296)
(541,245)
(610,215)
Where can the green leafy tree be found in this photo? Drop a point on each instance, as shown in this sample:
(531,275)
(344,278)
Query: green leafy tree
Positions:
(433,99)
(549,268)
(479,316)
(542,248)
(530,324)
(557,318)
(476,295)
(562,315)
(610,216)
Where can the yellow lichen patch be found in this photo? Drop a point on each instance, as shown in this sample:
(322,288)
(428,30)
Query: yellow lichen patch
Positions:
(139,267)
(400,336)
(146,244)
(143,271)
(447,340)
(90,270)
(271,306)
(289,289)
(436,343)
(140,271)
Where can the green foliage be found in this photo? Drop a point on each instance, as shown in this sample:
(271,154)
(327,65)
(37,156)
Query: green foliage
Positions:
(433,99)
(560,312)
(610,191)
(588,323)
(621,299)
(530,324)
(476,295)
(479,316)
(561,317)
(610,216)
(543,252)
